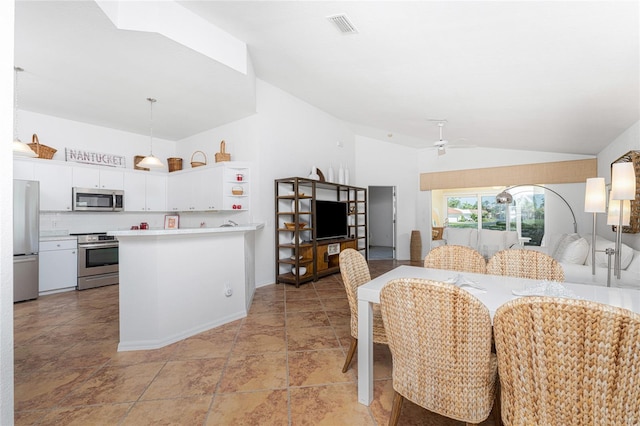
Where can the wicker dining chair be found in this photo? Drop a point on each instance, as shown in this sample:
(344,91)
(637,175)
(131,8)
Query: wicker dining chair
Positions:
(568,361)
(456,258)
(355,272)
(524,263)
(440,341)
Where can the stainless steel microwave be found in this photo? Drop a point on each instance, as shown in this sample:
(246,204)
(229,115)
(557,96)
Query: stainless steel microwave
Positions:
(98,200)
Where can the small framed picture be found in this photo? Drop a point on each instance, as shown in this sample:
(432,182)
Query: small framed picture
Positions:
(171,221)
(333,249)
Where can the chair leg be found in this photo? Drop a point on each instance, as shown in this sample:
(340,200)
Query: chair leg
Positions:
(352,350)
(396,408)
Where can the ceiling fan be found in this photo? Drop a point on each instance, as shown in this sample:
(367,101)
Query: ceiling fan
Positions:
(441,144)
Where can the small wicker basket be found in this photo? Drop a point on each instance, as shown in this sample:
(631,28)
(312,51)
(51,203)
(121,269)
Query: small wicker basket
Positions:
(175,163)
(198,163)
(43,151)
(222,155)
(136,160)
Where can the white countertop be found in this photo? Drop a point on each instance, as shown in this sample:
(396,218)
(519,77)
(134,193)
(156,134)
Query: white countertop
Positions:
(186,231)
(56,235)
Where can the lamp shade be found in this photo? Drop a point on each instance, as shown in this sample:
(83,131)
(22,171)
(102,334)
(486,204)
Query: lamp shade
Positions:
(623,181)
(21,149)
(613,214)
(595,196)
(504,198)
(150,162)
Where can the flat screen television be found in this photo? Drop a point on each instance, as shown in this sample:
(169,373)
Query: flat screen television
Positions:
(331,219)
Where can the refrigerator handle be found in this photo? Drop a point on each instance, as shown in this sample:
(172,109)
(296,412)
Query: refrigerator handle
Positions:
(32,219)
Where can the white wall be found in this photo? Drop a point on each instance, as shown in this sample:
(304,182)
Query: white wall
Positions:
(629,140)
(6,214)
(381,163)
(59,133)
(287,137)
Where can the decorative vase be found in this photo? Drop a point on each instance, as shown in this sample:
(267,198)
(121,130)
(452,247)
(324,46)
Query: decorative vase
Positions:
(314,174)
(346,176)
(331,177)
(341,175)
(415,246)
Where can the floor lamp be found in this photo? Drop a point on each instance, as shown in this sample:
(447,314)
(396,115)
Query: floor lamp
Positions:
(595,201)
(623,190)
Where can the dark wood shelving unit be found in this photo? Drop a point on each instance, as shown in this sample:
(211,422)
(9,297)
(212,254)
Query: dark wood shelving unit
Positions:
(298,247)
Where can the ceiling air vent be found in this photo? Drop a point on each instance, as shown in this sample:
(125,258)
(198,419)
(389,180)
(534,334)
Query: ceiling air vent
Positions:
(343,24)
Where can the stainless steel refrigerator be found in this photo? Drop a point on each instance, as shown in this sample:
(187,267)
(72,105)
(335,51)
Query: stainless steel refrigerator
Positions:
(26,236)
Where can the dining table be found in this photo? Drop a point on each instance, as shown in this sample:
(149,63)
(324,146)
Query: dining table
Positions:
(492,290)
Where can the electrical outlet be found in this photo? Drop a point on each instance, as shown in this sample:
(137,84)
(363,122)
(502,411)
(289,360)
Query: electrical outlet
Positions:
(228,291)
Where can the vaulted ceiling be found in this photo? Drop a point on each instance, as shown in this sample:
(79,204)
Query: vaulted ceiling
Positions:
(548,76)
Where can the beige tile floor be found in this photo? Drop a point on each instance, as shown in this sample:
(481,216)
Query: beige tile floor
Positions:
(281,365)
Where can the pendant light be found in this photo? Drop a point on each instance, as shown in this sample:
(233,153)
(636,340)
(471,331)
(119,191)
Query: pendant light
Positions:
(151,162)
(20,149)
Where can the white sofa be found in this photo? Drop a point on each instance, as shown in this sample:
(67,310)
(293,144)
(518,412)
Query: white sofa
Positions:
(573,251)
(486,241)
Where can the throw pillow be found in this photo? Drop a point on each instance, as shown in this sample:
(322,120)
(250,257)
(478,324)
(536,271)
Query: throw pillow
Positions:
(634,266)
(564,242)
(576,252)
(602,258)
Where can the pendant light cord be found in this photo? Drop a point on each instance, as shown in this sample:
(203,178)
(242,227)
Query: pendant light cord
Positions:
(151,102)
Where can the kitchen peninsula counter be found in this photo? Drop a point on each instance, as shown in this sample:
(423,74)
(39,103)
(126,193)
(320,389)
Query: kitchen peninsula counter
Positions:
(176,283)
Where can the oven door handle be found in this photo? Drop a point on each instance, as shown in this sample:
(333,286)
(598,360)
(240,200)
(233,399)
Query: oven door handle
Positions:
(97,245)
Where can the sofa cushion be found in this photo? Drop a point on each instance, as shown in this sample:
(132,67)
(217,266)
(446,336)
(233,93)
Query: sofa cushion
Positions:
(562,244)
(498,239)
(575,252)
(461,237)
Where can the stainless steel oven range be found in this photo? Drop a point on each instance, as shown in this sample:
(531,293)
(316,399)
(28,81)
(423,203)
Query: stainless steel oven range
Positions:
(97,260)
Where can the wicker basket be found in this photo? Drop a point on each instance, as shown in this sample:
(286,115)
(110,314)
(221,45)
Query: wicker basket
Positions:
(198,163)
(175,163)
(43,151)
(222,155)
(136,160)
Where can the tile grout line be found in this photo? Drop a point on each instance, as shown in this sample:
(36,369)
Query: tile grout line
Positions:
(224,368)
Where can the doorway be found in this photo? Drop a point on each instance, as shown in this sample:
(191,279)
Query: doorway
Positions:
(382,222)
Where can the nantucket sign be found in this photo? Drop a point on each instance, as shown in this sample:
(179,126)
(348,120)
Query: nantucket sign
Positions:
(98,158)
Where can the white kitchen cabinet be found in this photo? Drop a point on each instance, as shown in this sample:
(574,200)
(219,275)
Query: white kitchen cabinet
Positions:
(58,265)
(156,193)
(179,191)
(208,191)
(210,188)
(196,189)
(144,192)
(23,169)
(94,177)
(55,185)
